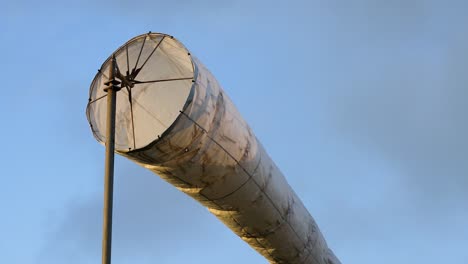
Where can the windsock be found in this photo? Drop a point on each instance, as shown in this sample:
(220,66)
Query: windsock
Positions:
(173,118)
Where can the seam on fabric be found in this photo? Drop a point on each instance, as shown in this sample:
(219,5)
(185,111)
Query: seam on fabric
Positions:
(266,195)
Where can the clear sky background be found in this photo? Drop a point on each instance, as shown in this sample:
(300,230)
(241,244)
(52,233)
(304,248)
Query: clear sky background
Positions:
(362,104)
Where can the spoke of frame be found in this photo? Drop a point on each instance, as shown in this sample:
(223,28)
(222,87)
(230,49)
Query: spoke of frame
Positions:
(128,61)
(150,114)
(164,80)
(99,70)
(141,49)
(151,54)
(131,115)
(118,73)
(97,99)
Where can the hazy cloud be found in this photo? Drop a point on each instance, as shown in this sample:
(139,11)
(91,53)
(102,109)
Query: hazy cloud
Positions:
(150,217)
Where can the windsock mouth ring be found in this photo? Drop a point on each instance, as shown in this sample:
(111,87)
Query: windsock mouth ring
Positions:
(156,75)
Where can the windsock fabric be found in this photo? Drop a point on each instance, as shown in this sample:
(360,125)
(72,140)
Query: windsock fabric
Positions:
(174,119)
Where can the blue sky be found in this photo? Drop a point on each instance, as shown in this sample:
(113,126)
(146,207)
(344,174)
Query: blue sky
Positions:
(362,104)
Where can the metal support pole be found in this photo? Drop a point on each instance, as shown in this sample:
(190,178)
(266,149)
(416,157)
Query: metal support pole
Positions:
(109,165)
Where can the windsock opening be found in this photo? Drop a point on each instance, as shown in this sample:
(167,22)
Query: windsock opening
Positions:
(156,76)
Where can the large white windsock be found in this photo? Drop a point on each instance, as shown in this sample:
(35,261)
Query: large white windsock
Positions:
(174,119)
